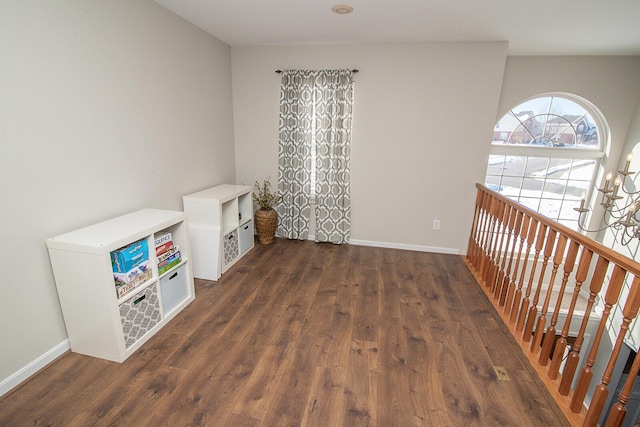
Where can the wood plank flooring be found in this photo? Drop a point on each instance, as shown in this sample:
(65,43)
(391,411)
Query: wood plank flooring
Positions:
(306,334)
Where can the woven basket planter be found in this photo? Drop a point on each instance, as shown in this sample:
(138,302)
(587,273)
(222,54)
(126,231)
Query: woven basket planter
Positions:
(266,222)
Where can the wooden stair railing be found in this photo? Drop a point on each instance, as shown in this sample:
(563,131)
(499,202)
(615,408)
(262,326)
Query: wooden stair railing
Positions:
(510,249)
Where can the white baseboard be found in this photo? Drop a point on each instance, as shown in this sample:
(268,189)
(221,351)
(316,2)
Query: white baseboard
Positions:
(23,374)
(419,248)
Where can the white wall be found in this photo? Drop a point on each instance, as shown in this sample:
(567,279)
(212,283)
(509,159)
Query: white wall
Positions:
(106,107)
(423,116)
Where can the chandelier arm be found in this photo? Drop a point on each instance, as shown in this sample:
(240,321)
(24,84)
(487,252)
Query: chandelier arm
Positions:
(614,211)
(625,220)
(629,236)
(629,193)
(617,213)
(586,230)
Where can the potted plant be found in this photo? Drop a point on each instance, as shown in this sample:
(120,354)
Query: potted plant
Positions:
(266,217)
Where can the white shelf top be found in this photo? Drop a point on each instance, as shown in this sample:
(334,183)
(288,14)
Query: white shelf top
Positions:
(219,194)
(112,234)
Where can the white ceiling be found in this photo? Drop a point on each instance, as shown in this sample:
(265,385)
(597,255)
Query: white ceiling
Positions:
(532,27)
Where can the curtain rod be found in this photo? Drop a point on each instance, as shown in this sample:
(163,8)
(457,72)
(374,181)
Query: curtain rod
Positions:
(353,71)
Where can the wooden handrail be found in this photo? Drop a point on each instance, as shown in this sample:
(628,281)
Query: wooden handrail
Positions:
(617,258)
(510,249)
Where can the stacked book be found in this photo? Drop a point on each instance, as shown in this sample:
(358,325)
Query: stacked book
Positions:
(168,254)
(131,267)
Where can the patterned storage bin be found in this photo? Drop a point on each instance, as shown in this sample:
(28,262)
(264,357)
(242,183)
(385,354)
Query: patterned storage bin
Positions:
(139,314)
(231,249)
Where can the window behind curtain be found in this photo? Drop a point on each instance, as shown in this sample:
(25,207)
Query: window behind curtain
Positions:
(314,150)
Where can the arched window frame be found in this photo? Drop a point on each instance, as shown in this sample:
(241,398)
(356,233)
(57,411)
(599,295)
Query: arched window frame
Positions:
(564,203)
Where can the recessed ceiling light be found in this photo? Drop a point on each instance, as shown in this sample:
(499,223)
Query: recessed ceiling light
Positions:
(342,9)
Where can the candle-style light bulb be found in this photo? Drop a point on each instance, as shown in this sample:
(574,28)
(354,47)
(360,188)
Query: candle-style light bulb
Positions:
(607,180)
(628,162)
(616,185)
(632,209)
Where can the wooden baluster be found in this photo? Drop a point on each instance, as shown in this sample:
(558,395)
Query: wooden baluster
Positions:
(531,235)
(482,232)
(542,319)
(484,215)
(487,261)
(550,335)
(561,344)
(525,302)
(512,283)
(602,391)
(574,357)
(501,252)
(507,275)
(533,310)
(619,411)
(478,229)
(485,273)
(513,213)
(473,236)
(610,298)
(486,236)
(497,247)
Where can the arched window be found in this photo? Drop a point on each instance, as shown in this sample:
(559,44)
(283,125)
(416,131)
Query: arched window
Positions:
(545,154)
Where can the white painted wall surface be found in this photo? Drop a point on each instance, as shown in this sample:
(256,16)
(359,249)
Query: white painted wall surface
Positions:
(106,107)
(423,116)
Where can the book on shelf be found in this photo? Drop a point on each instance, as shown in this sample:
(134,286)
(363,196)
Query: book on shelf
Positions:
(166,254)
(164,247)
(130,280)
(162,238)
(169,263)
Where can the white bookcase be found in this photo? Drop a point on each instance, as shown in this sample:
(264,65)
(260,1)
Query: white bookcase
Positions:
(100,323)
(220,226)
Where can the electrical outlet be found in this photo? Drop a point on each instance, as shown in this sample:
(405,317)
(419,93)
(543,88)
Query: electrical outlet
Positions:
(436,224)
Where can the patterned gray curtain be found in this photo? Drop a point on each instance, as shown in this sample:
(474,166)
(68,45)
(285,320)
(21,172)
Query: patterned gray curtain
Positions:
(294,152)
(315,120)
(334,106)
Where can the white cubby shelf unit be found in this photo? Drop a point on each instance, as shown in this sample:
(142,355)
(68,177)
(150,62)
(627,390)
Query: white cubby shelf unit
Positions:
(220,226)
(98,322)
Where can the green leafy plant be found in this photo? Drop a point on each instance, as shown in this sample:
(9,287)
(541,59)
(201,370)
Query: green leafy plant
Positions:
(263,195)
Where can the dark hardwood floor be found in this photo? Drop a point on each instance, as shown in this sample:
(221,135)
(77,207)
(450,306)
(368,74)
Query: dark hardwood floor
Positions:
(305,334)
